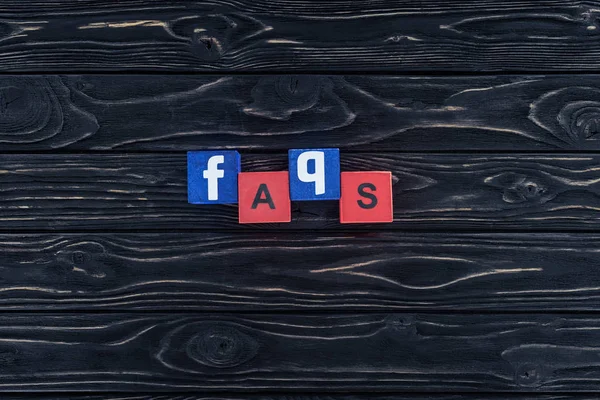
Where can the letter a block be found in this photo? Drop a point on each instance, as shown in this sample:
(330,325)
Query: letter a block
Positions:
(366,197)
(264,197)
(213,176)
(314,174)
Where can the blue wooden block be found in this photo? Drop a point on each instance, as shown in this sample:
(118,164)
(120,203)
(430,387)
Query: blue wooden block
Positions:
(314,174)
(213,177)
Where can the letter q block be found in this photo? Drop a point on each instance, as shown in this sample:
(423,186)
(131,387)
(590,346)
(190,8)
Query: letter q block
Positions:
(366,197)
(264,197)
(314,174)
(213,177)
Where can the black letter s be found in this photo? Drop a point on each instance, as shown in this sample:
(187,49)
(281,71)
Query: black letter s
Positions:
(370,196)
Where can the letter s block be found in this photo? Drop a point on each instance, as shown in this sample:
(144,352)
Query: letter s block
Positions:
(366,197)
(264,197)
(213,177)
(314,174)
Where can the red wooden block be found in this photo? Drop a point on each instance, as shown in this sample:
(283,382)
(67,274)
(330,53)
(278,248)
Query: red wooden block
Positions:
(264,197)
(366,197)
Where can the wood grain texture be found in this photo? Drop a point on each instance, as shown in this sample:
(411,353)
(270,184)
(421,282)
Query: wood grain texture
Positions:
(351,352)
(324,272)
(244,35)
(278,112)
(149,191)
(303,396)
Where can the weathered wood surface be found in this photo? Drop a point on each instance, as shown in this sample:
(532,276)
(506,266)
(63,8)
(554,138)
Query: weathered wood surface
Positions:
(248,35)
(369,352)
(149,191)
(153,295)
(309,396)
(278,112)
(324,272)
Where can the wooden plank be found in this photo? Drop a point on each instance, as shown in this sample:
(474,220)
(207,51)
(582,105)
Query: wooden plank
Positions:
(221,35)
(364,352)
(294,396)
(278,112)
(149,191)
(324,272)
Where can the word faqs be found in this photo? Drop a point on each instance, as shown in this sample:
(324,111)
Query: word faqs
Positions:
(215,177)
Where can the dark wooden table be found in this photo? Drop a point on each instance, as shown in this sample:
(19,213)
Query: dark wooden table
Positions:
(485,286)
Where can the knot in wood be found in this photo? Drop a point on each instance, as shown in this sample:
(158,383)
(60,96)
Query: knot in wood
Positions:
(210,35)
(528,374)
(78,257)
(520,188)
(581,119)
(403,325)
(298,90)
(222,346)
(206,47)
(400,321)
(26,107)
(525,190)
(279,97)
(35,110)
(571,114)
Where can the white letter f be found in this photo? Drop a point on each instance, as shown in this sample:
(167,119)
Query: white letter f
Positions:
(212,175)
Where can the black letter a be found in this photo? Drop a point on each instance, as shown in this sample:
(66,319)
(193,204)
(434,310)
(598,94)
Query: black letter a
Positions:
(259,200)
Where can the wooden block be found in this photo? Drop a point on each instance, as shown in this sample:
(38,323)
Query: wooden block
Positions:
(366,197)
(314,174)
(264,197)
(212,177)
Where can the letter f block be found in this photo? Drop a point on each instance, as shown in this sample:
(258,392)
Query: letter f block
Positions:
(213,177)
(314,174)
